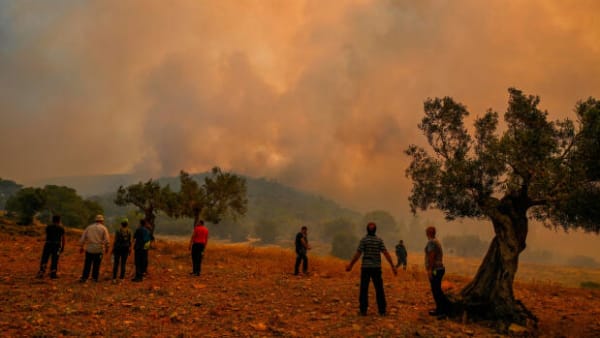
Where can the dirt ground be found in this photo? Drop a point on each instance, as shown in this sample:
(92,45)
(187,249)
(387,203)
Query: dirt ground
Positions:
(246,291)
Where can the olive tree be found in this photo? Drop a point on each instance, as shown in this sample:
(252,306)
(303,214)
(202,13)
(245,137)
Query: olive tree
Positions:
(530,168)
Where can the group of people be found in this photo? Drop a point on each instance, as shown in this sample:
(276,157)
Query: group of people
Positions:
(95,241)
(371,248)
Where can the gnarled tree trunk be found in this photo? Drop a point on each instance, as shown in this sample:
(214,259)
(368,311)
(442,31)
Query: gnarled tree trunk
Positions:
(490,294)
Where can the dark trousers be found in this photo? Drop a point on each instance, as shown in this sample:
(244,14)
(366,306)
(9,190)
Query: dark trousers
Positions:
(92,260)
(301,258)
(141,262)
(120,258)
(441,302)
(50,251)
(197,253)
(366,275)
(401,261)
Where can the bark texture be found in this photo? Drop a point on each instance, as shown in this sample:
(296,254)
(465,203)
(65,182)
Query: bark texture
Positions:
(490,294)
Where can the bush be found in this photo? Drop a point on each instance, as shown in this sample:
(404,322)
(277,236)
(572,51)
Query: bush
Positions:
(344,245)
(465,245)
(583,262)
(590,285)
(267,231)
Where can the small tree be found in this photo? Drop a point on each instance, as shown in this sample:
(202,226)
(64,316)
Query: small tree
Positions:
(25,204)
(547,171)
(266,230)
(336,226)
(148,197)
(221,194)
(344,245)
(64,201)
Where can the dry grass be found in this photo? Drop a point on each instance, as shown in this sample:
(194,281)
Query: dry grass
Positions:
(247,291)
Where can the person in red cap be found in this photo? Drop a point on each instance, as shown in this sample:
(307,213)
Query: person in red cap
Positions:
(198,243)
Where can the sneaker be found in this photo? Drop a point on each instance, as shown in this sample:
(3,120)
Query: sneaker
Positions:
(114,281)
(362,313)
(81,280)
(53,276)
(382,314)
(136,279)
(39,275)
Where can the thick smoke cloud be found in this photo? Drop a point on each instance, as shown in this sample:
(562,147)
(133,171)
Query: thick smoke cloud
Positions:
(321,95)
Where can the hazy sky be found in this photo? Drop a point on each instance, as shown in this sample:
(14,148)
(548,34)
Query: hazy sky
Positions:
(320,95)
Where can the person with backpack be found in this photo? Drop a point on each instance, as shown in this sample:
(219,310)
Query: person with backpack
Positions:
(53,247)
(141,244)
(121,249)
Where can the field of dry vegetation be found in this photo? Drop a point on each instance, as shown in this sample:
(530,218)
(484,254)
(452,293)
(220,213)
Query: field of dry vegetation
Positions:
(247,291)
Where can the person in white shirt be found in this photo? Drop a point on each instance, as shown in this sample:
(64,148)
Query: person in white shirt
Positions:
(94,239)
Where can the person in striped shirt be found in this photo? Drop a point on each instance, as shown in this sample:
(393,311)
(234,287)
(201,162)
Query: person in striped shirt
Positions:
(371,247)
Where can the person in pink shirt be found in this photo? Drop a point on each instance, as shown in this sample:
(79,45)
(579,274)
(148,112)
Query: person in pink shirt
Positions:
(197,245)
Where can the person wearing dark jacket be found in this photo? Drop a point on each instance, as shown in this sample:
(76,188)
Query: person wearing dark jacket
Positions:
(302,247)
(141,243)
(53,247)
(401,254)
(121,249)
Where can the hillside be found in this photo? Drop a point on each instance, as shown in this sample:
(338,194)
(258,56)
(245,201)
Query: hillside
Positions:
(244,291)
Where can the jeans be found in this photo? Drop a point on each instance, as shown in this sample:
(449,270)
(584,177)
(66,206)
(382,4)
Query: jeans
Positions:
(301,258)
(366,275)
(441,302)
(50,251)
(92,260)
(197,253)
(120,258)
(141,262)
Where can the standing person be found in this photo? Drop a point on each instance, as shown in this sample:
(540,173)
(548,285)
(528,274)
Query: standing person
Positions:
(371,247)
(147,246)
(141,243)
(53,247)
(94,238)
(121,249)
(302,247)
(435,271)
(197,245)
(401,254)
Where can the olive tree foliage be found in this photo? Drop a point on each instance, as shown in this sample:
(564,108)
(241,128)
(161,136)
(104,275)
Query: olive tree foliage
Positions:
(25,204)
(529,168)
(149,197)
(43,203)
(220,194)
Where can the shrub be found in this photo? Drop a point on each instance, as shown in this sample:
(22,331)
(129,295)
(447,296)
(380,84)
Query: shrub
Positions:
(590,285)
(344,245)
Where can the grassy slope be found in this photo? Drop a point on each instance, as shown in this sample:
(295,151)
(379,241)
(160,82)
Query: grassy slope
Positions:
(244,291)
